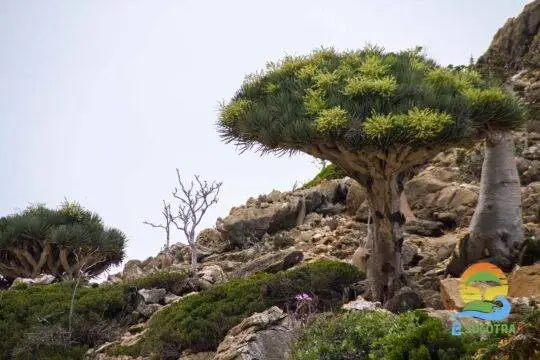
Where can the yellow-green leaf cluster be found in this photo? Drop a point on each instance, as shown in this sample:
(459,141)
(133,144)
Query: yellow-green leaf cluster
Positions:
(416,124)
(231,112)
(331,120)
(361,85)
(314,101)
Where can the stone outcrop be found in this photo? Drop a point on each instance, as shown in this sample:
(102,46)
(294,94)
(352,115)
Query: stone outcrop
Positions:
(361,304)
(43,279)
(152,296)
(246,225)
(404,299)
(525,282)
(211,239)
(514,56)
(451,295)
(267,335)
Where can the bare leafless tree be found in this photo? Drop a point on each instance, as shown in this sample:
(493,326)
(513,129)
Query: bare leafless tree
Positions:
(167,214)
(194,201)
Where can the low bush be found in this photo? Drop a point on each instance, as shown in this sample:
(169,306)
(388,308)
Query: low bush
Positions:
(345,335)
(199,322)
(383,336)
(523,345)
(43,309)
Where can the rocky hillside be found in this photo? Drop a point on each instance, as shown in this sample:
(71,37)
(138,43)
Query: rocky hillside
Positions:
(514,57)
(272,264)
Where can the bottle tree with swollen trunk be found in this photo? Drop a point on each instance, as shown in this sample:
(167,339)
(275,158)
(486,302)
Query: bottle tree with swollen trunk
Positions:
(377,115)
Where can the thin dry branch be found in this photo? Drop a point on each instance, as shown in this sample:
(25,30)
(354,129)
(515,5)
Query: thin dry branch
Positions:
(193,203)
(167,214)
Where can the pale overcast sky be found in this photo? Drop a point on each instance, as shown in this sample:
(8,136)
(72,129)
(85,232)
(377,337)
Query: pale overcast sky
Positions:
(101,100)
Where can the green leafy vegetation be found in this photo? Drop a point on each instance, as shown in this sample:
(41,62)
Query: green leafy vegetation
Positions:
(199,322)
(382,336)
(39,312)
(524,344)
(329,172)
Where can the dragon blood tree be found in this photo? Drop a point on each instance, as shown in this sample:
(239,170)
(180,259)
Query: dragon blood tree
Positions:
(67,242)
(377,115)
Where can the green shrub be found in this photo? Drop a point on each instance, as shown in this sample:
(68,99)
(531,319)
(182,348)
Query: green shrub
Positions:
(119,350)
(38,308)
(523,345)
(329,172)
(59,353)
(382,336)
(199,322)
(416,336)
(347,335)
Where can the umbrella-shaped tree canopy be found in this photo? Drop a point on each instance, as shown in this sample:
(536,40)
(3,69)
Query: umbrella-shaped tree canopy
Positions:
(364,100)
(63,242)
(377,115)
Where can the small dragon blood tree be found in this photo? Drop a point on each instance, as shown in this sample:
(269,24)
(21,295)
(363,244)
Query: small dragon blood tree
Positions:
(377,115)
(66,242)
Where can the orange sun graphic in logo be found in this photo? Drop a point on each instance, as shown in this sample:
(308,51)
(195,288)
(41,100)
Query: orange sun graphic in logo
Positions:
(482,282)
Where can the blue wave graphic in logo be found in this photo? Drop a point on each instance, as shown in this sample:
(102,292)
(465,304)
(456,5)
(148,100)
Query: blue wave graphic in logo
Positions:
(498,313)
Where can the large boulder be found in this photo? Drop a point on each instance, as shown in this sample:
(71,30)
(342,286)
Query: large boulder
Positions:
(247,224)
(270,263)
(152,296)
(267,335)
(525,282)
(404,299)
(424,227)
(198,356)
(132,270)
(213,274)
(356,195)
(431,198)
(212,239)
(451,295)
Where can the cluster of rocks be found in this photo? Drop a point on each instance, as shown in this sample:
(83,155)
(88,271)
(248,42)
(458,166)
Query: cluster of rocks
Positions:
(43,279)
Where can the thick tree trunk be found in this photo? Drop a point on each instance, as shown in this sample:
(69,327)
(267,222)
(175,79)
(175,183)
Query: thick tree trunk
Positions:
(496,230)
(384,267)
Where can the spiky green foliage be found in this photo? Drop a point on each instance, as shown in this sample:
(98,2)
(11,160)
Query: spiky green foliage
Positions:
(44,309)
(66,241)
(199,322)
(364,100)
